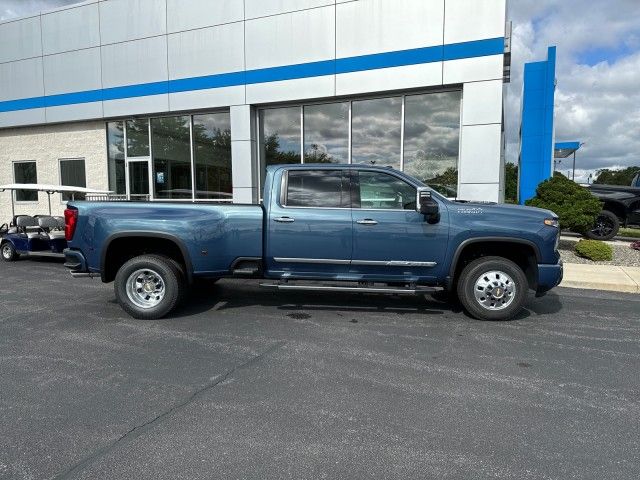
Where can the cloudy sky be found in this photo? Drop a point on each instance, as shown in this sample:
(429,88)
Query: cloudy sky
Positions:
(598,93)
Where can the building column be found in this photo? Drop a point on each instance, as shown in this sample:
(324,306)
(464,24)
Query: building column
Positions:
(481,165)
(244,154)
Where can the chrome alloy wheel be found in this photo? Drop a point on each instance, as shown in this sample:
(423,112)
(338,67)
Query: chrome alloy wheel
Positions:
(6,251)
(145,288)
(494,290)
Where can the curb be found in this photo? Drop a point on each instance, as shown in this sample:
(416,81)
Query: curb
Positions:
(601,277)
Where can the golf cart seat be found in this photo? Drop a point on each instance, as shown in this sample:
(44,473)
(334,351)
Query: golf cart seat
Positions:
(28,225)
(49,226)
(61,223)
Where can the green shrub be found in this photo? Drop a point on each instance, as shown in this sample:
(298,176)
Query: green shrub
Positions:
(594,250)
(574,205)
(629,232)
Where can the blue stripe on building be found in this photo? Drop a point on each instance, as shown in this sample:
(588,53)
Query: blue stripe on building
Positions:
(415,56)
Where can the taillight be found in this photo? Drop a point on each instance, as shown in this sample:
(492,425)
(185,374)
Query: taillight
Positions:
(70,222)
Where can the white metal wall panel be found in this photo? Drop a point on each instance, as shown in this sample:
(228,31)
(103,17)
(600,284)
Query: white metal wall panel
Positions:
(374,26)
(122,20)
(480,153)
(130,63)
(20,39)
(467,20)
(262,8)
(71,29)
(136,106)
(293,38)
(21,79)
(75,71)
(394,78)
(482,102)
(189,14)
(473,69)
(207,98)
(22,117)
(481,192)
(206,51)
(291,90)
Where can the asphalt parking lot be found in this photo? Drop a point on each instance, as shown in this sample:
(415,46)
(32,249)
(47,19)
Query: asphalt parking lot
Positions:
(252,384)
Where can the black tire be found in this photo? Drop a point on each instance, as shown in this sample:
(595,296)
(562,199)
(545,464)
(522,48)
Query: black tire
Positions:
(8,252)
(606,226)
(163,272)
(182,284)
(506,306)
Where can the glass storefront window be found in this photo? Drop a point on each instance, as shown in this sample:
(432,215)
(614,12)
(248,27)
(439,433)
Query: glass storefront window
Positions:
(138,137)
(326,133)
(115,157)
(279,137)
(376,131)
(431,139)
(212,155)
(171,148)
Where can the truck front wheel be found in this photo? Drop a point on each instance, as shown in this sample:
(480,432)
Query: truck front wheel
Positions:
(148,287)
(492,288)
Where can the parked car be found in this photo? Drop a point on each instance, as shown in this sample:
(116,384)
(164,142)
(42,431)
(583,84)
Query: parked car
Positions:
(322,227)
(621,208)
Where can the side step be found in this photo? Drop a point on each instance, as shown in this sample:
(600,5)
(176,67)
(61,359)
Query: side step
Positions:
(360,289)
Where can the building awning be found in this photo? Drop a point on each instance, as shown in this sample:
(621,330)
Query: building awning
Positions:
(565,149)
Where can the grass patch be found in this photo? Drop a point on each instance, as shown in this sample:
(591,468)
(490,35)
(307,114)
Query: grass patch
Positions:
(629,232)
(594,250)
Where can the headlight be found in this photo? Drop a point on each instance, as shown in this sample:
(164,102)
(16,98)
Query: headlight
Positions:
(551,222)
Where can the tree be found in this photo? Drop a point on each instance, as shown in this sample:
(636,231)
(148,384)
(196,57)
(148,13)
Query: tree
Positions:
(607,176)
(511,183)
(574,205)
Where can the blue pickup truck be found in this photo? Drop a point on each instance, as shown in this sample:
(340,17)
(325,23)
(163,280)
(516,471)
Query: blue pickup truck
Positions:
(323,227)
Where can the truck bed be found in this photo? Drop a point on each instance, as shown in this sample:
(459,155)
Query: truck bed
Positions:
(214,234)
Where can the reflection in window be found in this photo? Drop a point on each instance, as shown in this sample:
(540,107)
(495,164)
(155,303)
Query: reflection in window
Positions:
(317,188)
(73,174)
(326,133)
(384,191)
(171,157)
(25,172)
(212,155)
(279,137)
(138,137)
(115,157)
(375,131)
(431,139)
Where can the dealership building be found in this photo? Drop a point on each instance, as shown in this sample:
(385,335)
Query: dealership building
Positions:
(192,99)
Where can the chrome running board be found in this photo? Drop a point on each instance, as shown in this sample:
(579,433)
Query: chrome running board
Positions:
(339,288)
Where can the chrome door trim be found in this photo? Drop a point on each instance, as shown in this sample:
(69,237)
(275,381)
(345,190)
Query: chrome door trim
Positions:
(332,261)
(367,221)
(393,263)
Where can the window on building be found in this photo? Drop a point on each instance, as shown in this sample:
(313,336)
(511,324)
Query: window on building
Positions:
(25,172)
(317,188)
(115,157)
(73,174)
(431,139)
(137,137)
(279,137)
(326,133)
(383,191)
(212,155)
(376,127)
(171,147)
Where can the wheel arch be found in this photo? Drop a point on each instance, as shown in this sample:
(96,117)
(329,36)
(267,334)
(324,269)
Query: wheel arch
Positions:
(472,248)
(161,243)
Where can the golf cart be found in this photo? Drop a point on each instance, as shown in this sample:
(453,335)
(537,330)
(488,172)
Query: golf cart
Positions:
(39,235)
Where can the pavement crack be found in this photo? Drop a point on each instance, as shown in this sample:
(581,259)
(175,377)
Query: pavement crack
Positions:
(138,430)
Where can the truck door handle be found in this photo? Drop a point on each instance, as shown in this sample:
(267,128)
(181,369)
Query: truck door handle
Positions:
(367,221)
(284,219)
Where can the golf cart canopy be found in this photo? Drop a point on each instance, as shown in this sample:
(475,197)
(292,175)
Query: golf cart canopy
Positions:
(49,189)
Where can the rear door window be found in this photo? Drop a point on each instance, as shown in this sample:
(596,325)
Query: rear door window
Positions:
(317,189)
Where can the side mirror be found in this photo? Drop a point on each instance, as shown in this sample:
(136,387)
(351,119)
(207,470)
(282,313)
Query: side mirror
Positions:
(427,205)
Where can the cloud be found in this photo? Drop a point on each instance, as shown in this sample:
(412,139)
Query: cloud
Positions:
(21,8)
(597,96)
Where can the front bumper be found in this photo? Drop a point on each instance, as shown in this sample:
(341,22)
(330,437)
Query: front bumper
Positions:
(549,276)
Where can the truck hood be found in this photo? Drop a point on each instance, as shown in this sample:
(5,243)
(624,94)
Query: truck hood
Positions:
(503,209)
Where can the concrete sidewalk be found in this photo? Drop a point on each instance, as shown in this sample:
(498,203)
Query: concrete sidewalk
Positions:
(602,277)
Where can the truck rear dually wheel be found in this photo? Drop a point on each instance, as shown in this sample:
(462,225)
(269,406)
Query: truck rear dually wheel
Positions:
(492,288)
(148,287)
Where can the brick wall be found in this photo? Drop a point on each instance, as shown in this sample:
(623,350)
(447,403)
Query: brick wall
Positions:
(46,145)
